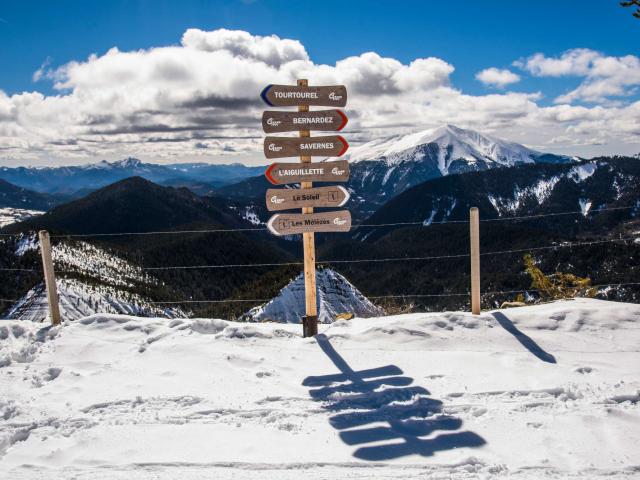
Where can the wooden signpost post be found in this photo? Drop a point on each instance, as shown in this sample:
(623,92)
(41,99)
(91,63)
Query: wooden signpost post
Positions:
(305,173)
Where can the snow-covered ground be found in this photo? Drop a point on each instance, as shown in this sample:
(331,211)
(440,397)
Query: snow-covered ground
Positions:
(548,391)
(9,215)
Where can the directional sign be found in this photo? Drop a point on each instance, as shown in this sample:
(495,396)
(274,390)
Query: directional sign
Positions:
(288,198)
(294,95)
(329,146)
(322,120)
(293,223)
(283,173)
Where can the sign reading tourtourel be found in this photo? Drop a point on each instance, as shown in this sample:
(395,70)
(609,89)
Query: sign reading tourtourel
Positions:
(305,173)
(296,95)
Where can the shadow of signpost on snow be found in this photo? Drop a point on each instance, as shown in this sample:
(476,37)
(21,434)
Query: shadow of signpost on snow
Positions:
(383,394)
(526,341)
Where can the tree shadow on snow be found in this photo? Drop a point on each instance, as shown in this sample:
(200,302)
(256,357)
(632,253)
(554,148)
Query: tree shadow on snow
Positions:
(384,395)
(526,341)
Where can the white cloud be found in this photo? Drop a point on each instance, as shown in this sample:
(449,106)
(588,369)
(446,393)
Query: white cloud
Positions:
(497,77)
(604,76)
(169,103)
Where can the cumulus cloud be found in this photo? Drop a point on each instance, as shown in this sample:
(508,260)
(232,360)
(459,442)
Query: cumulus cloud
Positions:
(604,76)
(200,99)
(497,77)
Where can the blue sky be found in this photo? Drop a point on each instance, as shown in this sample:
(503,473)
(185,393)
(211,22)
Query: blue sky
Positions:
(468,35)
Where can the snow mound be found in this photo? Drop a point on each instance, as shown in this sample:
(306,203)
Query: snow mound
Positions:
(9,215)
(335,296)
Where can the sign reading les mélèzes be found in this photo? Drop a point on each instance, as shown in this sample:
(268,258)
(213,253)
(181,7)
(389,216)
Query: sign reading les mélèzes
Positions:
(326,146)
(288,198)
(294,223)
(294,95)
(321,120)
(283,173)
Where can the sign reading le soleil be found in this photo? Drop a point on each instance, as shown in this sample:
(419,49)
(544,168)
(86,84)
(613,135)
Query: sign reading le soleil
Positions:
(288,198)
(328,146)
(322,120)
(283,173)
(294,95)
(294,223)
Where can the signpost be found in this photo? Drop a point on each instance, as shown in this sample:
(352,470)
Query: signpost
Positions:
(294,223)
(289,198)
(283,173)
(305,173)
(328,146)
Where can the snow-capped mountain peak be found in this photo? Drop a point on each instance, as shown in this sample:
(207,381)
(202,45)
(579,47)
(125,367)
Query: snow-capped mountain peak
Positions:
(453,143)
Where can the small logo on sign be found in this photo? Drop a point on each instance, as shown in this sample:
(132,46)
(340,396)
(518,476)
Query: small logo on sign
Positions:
(273,122)
(276,200)
(337,171)
(333,96)
(274,148)
(339,221)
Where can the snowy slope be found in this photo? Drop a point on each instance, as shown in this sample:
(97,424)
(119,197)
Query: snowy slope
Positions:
(335,295)
(90,280)
(11,215)
(549,391)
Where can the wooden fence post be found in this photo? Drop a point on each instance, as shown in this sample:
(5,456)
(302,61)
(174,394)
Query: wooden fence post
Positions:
(474,231)
(310,321)
(49,277)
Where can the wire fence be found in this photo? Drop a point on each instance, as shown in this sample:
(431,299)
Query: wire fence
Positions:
(562,245)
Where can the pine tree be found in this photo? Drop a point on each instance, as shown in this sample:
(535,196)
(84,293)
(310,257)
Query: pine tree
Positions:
(632,3)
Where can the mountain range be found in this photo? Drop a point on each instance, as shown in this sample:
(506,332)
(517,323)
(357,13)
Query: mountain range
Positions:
(381,169)
(77,181)
(504,180)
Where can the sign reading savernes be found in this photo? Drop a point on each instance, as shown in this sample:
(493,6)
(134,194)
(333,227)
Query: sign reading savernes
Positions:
(327,146)
(322,120)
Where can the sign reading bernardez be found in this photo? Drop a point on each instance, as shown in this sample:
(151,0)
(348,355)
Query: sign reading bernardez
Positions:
(294,223)
(322,120)
(288,198)
(294,95)
(283,173)
(327,146)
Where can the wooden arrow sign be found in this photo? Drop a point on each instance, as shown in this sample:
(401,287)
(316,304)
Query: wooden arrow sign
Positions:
(294,95)
(283,173)
(329,146)
(322,120)
(288,198)
(294,223)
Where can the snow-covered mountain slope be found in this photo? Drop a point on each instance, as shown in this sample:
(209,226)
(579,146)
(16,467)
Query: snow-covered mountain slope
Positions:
(90,280)
(547,391)
(10,215)
(383,168)
(79,299)
(335,296)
